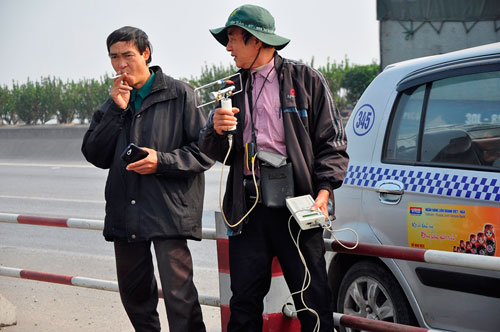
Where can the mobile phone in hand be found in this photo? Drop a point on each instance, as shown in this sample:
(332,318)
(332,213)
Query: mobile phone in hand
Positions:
(133,153)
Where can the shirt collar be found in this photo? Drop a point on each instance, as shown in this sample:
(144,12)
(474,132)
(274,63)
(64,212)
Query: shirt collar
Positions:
(145,89)
(265,69)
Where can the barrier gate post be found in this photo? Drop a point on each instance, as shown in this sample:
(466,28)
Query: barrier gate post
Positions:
(274,320)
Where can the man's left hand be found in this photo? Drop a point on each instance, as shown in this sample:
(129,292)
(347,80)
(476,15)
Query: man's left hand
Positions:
(148,165)
(321,202)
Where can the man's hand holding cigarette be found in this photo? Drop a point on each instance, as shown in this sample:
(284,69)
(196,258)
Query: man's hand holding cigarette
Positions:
(120,91)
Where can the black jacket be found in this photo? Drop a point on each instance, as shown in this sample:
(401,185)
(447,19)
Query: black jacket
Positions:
(314,137)
(167,204)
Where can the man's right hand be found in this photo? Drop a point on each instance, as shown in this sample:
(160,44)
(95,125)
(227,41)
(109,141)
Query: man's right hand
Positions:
(120,91)
(224,119)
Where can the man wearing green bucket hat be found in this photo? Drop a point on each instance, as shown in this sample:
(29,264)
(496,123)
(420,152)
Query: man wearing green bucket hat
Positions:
(285,110)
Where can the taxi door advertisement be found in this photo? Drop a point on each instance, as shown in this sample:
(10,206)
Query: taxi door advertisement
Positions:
(460,228)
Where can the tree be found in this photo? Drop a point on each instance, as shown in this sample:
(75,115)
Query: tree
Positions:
(89,95)
(54,100)
(7,107)
(356,79)
(38,102)
(334,74)
(25,102)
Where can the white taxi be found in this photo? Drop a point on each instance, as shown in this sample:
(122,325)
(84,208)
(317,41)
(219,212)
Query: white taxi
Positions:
(424,143)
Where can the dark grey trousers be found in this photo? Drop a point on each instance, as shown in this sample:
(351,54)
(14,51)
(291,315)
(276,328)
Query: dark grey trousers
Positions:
(139,290)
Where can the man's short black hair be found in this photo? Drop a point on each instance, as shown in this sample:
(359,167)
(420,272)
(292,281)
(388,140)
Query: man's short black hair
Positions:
(136,35)
(247,35)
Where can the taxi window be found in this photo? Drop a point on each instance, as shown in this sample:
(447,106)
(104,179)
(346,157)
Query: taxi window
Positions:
(403,137)
(449,122)
(462,121)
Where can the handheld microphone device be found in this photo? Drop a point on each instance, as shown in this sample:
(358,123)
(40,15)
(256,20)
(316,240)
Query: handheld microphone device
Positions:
(226,103)
(221,90)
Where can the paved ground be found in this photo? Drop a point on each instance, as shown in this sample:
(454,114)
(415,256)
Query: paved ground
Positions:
(42,172)
(47,307)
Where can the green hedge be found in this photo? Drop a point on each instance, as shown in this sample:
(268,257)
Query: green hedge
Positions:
(36,102)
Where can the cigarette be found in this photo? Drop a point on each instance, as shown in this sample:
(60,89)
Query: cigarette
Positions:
(116,76)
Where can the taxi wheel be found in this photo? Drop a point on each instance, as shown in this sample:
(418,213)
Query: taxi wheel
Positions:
(368,290)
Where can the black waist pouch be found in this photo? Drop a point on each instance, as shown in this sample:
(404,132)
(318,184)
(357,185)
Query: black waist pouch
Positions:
(276,184)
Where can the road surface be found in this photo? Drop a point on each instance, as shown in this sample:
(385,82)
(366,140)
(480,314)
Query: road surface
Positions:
(76,189)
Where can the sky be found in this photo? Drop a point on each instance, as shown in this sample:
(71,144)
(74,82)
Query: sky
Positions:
(67,38)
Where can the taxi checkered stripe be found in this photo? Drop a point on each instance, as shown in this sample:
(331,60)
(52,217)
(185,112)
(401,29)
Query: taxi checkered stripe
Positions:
(427,182)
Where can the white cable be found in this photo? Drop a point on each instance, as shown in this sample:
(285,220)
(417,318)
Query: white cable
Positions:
(329,227)
(307,276)
(230,141)
(305,283)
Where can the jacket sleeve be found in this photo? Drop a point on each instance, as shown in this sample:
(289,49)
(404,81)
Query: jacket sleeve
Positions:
(211,143)
(328,137)
(188,159)
(99,141)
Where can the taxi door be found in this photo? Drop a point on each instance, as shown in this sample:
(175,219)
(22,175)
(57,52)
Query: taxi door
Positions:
(434,183)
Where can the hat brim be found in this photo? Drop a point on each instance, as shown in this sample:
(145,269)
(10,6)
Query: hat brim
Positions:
(274,40)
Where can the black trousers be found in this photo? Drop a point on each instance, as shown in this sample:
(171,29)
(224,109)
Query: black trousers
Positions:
(251,253)
(139,290)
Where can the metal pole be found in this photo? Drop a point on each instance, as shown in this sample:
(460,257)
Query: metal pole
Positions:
(106,285)
(489,263)
(207,233)
(371,325)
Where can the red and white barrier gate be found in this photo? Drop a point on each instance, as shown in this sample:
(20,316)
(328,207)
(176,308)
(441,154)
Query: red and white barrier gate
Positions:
(371,325)
(489,263)
(106,285)
(52,221)
(274,320)
(72,280)
(59,279)
(207,233)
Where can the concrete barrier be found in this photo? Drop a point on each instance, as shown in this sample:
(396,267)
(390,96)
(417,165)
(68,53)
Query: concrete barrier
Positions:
(42,143)
(8,312)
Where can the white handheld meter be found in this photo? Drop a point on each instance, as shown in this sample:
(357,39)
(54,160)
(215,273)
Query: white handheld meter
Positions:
(300,207)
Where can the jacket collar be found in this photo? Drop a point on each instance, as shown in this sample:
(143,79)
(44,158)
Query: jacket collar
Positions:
(163,89)
(163,82)
(278,62)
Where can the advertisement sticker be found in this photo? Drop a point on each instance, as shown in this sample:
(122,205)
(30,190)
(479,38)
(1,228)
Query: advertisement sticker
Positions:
(460,228)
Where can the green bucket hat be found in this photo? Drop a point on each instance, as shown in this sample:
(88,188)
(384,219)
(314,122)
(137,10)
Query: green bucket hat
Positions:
(256,20)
